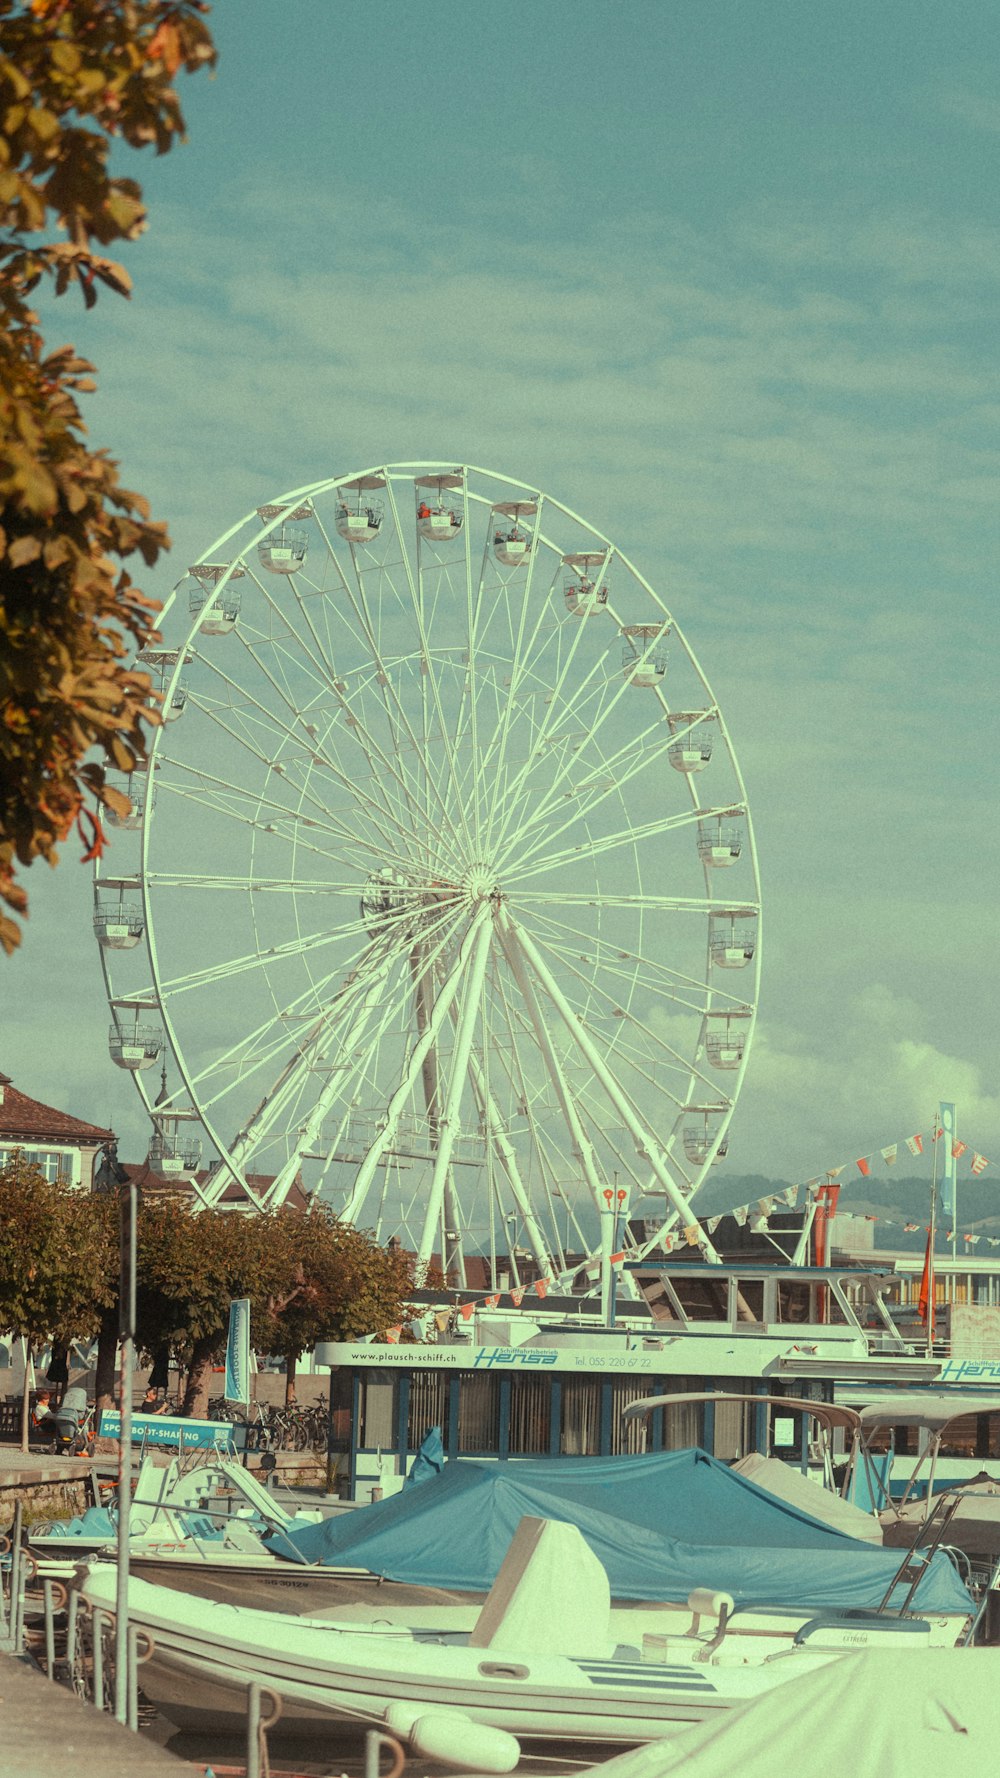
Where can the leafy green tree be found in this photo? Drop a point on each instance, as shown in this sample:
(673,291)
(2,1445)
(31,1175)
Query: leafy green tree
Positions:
(190,1267)
(76,78)
(334,1282)
(53,1262)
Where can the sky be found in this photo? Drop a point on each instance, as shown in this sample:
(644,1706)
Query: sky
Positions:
(724,280)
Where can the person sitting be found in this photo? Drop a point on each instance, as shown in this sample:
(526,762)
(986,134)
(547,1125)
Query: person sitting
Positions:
(423,510)
(42,1418)
(153,1403)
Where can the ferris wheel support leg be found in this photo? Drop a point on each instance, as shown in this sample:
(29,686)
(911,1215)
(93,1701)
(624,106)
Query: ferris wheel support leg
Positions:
(438,1013)
(508,1161)
(471,1007)
(581,1141)
(643,1138)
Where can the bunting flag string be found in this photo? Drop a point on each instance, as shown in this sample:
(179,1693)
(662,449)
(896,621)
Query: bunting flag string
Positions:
(757,1214)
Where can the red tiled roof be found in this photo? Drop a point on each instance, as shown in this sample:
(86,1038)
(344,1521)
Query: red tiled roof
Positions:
(145,1176)
(28,1120)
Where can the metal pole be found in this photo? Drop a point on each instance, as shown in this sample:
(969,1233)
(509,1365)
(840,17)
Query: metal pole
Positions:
(50,1630)
(126,1322)
(133,1677)
(97,1637)
(17,1581)
(72,1612)
(931,1236)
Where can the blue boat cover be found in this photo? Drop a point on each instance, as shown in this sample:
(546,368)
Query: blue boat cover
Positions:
(95,1522)
(660,1523)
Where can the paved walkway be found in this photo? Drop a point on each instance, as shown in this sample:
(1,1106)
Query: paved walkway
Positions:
(47,1729)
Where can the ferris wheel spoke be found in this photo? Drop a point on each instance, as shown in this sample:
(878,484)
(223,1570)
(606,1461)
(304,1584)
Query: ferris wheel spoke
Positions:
(206,791)
(396,713)
(642,1136)
(361,734)
(555,708)
(430,684)
(612,842)
(608,775)
(377,811)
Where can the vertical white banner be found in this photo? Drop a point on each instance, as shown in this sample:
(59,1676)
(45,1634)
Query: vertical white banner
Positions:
(948,1167)
(238,1352)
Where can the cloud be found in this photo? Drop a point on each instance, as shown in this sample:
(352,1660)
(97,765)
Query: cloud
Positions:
(874,1079)
(980,111)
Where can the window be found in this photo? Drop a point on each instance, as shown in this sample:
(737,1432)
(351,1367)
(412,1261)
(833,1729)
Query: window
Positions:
(580,1420)
(55,1163)
(628,1437)
(530,1410)
(794,1302)
(341,1394)
(428,1407)
(702,1299)
(378,1410)
(750,1299)
(479,1412)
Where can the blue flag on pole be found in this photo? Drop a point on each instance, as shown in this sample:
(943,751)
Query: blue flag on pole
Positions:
(238,1351)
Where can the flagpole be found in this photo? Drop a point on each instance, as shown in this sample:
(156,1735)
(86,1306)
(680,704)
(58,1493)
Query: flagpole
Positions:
(931,1304)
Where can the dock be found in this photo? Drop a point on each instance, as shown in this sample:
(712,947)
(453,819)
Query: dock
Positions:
(48,1729)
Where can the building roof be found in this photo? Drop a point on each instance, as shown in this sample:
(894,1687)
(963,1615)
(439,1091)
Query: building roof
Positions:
(154,1184)
(28,1120)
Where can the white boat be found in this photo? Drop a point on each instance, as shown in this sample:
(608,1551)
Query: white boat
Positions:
(932,1715)
(541,1660)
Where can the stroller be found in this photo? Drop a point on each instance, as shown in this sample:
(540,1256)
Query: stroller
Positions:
(66,1425)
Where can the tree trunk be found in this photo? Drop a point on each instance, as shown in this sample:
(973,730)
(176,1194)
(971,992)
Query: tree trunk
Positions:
(199,1379)
(107,1353)
(25,1394)
(291,1365)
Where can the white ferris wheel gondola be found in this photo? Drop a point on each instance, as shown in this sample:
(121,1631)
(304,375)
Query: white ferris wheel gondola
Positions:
(428,922)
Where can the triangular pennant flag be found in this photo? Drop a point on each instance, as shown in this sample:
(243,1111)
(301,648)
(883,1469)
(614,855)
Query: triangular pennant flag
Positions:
(466,1310)
(790,1195)
(979,1163)
(541,1286)
(741,1215)
(392,1335)
(517,1296)
(889,1154)
(765,1206)
(915,1144)
(492,1302)
(835,1173)
(713,1223)
(958,1149)
(863,1166)
(692,1234)
(667,1243)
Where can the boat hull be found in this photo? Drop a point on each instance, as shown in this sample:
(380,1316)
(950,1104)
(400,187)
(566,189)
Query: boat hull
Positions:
(205,1655)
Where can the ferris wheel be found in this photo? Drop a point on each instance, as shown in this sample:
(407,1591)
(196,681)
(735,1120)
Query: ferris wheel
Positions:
(439,891)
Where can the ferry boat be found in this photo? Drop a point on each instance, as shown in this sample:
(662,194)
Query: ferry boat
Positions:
(555,1379)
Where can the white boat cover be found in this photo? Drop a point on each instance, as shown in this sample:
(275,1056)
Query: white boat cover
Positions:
(787,1483)
(918,1408)
(930,1714)
(550,1582)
